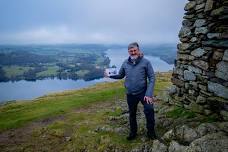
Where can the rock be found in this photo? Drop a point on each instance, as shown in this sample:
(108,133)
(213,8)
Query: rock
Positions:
(201,30)
(217,12)
(214,35)
(207,112)
(209,5)
(186,134)
(223,126)
(189,16)
(203,87)
(200,1)
(68,139)
(196,107)
(158,147)
(169,135)
(216,43)
(193,39)
(120,130)
(178,71)
(225,56)
(188,75)
(185,57)
(217,55)
(177,82)
(185,32)
(206,128)
(190,5)
(215,142)
(172,90)
(218,89)
(198,52)
(224,114)
(201,99)
(194,69)
(183,46)
(187,23)
(201,64)
(222,70)
(200,6)
(200,22)
(176,147)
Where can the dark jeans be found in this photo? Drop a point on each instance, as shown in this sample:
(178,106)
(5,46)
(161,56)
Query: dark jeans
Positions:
(133,101)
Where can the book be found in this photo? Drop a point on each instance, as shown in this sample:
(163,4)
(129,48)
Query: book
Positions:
(111,71)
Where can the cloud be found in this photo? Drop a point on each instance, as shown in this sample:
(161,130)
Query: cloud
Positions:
(86,21)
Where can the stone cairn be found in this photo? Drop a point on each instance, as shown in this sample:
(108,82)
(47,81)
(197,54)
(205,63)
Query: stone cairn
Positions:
(200,76)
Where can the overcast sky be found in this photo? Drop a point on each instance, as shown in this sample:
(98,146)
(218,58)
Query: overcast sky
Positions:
(90,21)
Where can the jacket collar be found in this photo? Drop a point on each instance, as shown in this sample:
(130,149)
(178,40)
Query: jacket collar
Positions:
(134,62)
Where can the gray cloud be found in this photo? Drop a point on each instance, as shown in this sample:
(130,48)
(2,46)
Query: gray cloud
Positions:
(90,21)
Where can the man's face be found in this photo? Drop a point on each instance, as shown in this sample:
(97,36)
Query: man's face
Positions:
(134,52)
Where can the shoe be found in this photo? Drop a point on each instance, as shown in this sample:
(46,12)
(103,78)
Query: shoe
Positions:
(131,136)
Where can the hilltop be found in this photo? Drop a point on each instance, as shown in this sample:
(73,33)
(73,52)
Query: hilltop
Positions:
(96,119)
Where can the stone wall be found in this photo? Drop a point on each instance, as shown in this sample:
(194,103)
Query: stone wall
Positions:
(200,76)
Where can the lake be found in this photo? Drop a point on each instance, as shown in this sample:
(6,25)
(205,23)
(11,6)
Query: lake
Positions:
(25,90)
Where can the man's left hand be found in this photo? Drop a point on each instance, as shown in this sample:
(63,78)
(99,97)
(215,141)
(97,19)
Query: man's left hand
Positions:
(149,100)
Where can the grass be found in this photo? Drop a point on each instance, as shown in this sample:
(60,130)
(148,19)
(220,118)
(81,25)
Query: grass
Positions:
(17,114)
(82,73)
(13,71)
(81,113)
(179,112)
(52,70)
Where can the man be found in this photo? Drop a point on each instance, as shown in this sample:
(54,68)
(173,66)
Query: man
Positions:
(137,69)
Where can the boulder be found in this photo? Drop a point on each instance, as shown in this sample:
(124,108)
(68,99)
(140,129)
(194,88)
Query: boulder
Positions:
(176,147)
(158,147)
(215,142)
(186,134)
(206,128)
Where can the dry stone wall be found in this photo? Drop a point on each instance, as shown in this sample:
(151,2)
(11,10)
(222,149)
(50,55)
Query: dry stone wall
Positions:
(200,76)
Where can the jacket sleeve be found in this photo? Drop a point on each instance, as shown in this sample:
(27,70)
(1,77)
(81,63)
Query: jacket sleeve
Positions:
(151,78)
(121,73)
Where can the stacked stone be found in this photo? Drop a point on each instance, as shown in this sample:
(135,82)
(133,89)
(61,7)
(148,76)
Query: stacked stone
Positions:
(200,75)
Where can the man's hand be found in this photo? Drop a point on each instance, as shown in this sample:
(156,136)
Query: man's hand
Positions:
(149,100)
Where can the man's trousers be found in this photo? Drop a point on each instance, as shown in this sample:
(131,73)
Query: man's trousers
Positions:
(133,101)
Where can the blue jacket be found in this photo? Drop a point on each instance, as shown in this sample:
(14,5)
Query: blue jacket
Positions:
(136,76)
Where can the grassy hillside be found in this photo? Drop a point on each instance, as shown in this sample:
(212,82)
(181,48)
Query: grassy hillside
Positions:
(69,121)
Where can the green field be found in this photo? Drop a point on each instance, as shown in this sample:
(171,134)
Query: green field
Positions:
(14,70)
(51,70)
(68,121)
